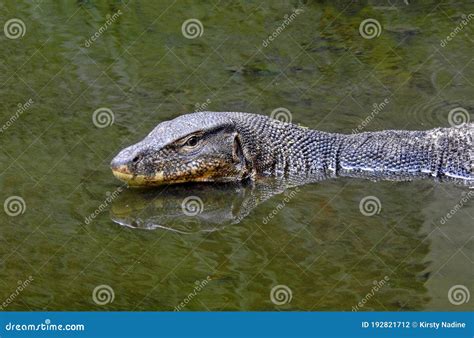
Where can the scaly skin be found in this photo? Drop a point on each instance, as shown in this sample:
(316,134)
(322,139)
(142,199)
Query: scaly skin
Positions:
(232,146)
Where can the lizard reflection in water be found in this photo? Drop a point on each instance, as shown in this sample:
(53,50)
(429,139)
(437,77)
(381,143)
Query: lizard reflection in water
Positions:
(194,207)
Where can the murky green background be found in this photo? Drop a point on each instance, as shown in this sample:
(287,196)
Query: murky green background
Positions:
(142,68)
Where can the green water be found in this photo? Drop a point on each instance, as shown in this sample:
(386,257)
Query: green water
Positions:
(142,68)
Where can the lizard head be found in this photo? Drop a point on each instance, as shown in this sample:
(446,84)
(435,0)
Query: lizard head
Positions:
(196,147)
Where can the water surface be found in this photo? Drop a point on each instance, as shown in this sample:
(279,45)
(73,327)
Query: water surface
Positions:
(141,67)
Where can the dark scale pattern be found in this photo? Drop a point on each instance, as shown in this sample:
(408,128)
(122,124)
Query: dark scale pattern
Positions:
(391,154)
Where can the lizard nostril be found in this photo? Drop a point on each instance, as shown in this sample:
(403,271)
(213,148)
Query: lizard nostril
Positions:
(135,159)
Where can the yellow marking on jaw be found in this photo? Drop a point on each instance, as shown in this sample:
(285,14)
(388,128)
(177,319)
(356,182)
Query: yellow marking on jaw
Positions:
(123,174)
(135,180)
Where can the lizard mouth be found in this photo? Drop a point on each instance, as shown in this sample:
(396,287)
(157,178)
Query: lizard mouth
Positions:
(123,174)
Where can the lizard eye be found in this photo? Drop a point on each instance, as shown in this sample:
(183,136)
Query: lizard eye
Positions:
(191,142)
